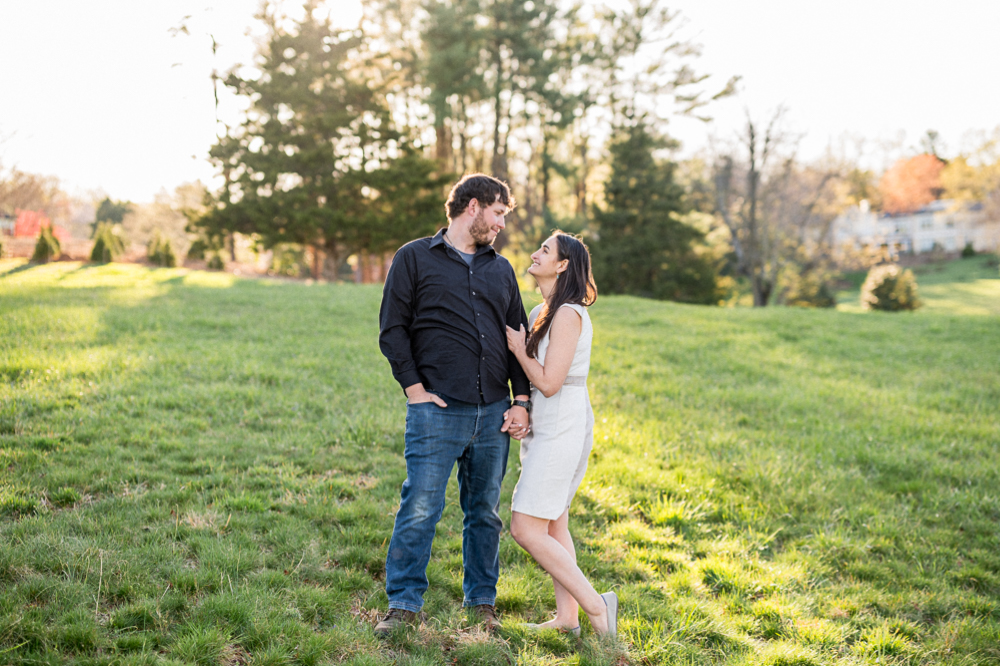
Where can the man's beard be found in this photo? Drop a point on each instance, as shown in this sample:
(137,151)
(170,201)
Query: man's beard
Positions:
(480,231)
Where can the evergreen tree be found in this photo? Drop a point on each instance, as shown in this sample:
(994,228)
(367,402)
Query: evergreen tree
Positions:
(47,248)
(108,245)
(642,247)
(112,211)
(161,251)
(452,44)
(317,154)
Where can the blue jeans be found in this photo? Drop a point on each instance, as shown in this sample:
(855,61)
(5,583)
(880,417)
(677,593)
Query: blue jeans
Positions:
(437,438)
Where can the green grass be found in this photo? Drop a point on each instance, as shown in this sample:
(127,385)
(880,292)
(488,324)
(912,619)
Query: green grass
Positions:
(963,286)
(196,469)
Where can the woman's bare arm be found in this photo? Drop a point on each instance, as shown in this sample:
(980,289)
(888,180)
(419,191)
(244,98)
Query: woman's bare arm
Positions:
(563,337)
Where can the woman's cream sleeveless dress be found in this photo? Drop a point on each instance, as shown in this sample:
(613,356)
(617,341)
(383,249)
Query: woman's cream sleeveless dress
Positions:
(554,454)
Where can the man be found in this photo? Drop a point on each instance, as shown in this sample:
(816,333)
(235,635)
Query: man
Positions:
(446,305)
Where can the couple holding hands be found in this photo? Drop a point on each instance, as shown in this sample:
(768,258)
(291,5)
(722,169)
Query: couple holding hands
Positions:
(452,326)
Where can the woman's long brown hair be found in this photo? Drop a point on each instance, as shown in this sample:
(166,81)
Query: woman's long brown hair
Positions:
(574,285)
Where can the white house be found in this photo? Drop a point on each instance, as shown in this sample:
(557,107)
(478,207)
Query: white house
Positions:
(946,224)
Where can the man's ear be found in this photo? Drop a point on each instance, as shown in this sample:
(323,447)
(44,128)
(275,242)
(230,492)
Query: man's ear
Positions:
(473,207)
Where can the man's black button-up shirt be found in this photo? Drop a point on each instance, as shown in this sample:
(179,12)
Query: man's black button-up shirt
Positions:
(443,322)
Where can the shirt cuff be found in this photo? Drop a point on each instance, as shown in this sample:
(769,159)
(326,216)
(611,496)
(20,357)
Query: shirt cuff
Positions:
(520,387)
(408,379)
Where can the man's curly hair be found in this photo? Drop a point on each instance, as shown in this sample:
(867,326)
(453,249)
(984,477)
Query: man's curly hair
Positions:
(484,189)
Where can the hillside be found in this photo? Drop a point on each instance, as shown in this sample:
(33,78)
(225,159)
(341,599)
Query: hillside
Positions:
(200,469)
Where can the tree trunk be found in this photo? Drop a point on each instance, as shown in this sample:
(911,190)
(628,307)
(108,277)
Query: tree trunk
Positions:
(317,262)
(545,174)
(364,266)
(761,291)
(442,146)
(462,137)
(386,264)
(499,164)
(332,254)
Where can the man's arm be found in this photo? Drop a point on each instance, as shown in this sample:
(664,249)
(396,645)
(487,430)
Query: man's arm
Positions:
(515,318)
(517,419)
(395,317)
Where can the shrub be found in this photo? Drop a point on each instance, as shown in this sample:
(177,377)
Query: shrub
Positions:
(161,252)
(216,263)
(968,250)
(288,260)
(198,249)
(108,245)
(811,292)
(47,248)
(890,288)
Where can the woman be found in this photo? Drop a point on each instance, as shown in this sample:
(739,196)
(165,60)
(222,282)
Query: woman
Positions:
(556,358)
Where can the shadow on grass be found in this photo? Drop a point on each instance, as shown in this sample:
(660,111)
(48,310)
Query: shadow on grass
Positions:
(19,269)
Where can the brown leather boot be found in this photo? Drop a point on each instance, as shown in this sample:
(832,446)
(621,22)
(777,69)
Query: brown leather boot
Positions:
(395,618)
(487,616)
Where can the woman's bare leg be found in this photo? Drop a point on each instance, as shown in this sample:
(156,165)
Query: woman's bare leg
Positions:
(567,610)
(533,535)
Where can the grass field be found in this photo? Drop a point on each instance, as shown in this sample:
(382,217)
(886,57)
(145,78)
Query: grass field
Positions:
(202,470)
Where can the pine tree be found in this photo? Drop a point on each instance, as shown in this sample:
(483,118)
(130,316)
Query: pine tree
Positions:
(108,245)
(317,158)
(161,251)
(643,248)
(47,248)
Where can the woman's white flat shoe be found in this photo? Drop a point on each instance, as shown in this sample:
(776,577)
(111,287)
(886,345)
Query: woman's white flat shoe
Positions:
(537,627)
(611,601)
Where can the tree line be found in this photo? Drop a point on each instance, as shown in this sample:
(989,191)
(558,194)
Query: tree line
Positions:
(351,138)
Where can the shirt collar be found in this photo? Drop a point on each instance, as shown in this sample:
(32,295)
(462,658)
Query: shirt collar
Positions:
(438,239)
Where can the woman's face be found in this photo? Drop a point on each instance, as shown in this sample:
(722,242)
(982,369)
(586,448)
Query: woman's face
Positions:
(545,263)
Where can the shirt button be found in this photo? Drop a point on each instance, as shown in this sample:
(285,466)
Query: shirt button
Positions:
(470,272)
(482,336)
(473,293)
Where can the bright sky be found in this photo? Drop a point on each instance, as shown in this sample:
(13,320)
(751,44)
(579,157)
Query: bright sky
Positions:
(101,95)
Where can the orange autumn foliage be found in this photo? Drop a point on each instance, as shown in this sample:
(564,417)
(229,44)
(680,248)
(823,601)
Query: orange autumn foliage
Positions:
(911,183)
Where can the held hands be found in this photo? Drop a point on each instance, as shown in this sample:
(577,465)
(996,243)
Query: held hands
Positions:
(515,422)
(516,341)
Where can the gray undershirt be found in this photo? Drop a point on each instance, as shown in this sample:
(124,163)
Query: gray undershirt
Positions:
(466,257)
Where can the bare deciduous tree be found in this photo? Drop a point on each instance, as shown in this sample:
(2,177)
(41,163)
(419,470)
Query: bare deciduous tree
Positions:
(20,190)
(778,213)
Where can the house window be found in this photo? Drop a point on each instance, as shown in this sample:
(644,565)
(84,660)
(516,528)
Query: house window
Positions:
(926,244)
(949,243)
(926,224)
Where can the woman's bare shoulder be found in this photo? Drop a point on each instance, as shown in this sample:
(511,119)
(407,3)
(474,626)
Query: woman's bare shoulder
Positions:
(567,319)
